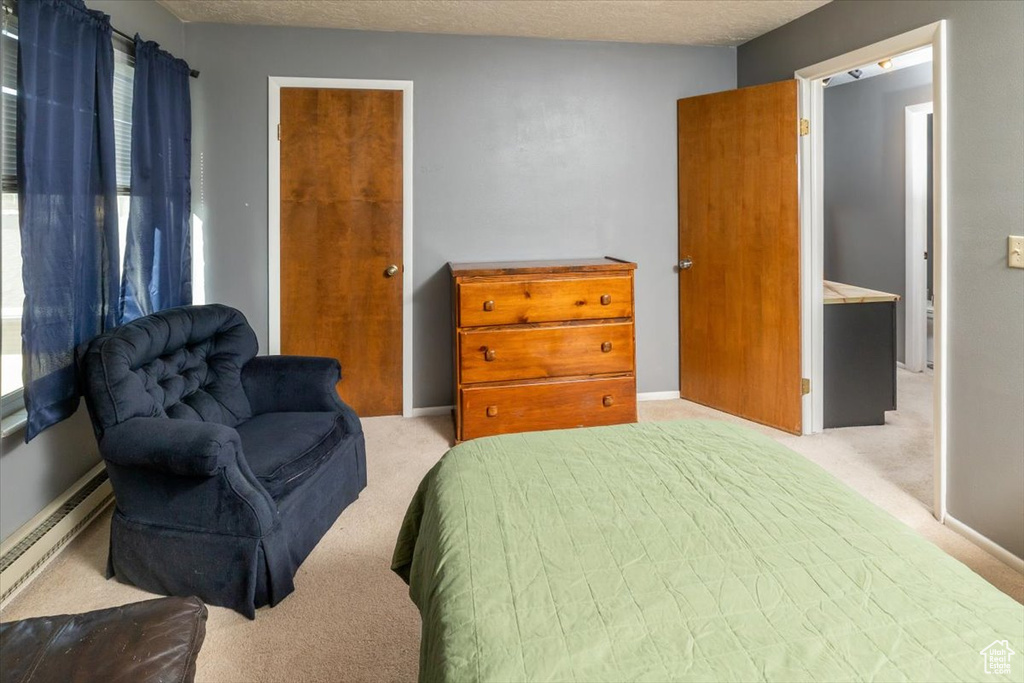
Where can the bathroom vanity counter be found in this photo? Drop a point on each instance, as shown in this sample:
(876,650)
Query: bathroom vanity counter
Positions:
(839,293)
(860,355)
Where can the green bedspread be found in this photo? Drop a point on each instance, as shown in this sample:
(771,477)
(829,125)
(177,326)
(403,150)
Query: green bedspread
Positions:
(696,551)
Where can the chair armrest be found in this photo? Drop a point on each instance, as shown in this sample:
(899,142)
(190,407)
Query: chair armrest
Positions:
(183,447)
(278,384)
(186,474)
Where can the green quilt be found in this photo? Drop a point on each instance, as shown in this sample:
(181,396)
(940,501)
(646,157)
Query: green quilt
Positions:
(681,551)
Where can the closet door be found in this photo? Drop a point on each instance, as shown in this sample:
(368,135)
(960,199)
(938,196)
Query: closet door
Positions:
(739,237)
(341,238)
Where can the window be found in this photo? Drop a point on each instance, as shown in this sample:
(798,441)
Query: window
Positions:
(12,295)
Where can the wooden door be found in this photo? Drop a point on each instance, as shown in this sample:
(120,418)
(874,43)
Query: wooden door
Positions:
(341,231)
(739,302)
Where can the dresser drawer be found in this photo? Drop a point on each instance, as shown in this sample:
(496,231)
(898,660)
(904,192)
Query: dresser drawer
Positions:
(487,411)
(494,355)
(504,302)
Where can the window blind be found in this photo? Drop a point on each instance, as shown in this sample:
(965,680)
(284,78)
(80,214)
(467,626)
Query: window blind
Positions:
(124,71)
(8,102)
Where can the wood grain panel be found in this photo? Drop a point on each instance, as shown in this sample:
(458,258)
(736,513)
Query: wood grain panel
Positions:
(341,227)
(490,355)
(533,300)
(549,405)
(738,222)
(584,265)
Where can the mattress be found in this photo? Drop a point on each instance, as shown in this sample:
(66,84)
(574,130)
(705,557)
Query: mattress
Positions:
(680,551)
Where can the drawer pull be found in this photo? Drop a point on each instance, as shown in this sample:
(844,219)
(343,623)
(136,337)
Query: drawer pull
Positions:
(606,299)
(607,401)
(606,347)
(488,354)
(489,305)
(492,411)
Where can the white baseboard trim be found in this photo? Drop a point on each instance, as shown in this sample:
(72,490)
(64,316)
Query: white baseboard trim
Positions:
(431,411)
(657,396)
(32,547)
(986,544)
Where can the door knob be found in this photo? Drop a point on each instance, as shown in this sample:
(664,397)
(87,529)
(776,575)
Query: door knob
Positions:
(686,263)
(391,270)
(489,354)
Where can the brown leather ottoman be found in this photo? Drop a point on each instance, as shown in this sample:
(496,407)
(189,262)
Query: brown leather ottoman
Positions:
(155,640)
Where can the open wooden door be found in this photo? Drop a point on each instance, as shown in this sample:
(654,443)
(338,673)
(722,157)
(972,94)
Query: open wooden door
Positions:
(739,252)
(341,238)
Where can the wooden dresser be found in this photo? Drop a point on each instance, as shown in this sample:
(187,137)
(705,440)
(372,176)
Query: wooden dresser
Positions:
(542,345)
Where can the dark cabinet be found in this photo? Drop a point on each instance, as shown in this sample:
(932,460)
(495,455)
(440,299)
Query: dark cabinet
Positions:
(859,359)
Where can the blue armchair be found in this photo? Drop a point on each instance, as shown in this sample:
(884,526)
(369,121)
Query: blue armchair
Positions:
(227,467)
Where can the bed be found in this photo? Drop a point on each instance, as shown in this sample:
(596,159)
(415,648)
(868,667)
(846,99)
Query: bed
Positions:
(679,551)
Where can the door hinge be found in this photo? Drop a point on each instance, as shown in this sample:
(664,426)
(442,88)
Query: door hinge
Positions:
(805,386)
(805,127)
(279,131)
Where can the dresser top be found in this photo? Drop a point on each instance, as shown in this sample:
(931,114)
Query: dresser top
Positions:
(586,265)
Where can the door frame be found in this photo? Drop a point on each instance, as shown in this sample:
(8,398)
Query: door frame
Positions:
(915,344)
(812,257)
(275,83)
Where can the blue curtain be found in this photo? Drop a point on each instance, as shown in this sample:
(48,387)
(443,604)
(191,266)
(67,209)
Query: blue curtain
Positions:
(158,251)
(67,195)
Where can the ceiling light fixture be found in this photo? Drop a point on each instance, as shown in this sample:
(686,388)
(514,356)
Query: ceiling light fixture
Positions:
(885,64)
(856,73)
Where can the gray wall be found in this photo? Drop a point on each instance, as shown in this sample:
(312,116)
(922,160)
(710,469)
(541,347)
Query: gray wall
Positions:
(32,475)
(865,175)
(986,203)
(529,148)
(524,149)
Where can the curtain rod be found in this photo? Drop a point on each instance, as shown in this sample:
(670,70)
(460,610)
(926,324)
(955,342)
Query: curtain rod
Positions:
(9,7)
(194,73)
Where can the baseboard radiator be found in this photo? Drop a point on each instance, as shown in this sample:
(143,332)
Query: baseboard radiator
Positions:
(30,548)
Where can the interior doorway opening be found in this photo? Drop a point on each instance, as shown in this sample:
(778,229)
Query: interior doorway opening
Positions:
(920,233)
(876,169)
(813,82)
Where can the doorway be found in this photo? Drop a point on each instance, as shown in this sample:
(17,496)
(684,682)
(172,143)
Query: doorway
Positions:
(812,82)
(340,232)
(919,228)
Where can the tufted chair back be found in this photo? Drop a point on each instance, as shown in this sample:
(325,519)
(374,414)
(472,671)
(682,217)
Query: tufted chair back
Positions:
(182,363)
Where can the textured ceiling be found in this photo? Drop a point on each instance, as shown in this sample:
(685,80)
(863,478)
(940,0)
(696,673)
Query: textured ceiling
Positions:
(680,22)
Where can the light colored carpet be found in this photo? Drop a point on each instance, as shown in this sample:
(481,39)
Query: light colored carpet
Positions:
(350,618)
